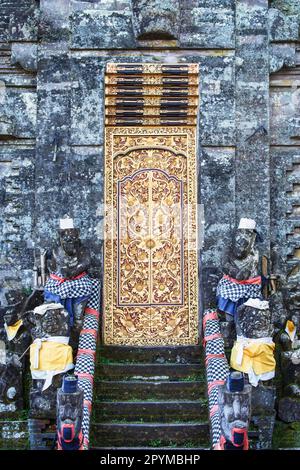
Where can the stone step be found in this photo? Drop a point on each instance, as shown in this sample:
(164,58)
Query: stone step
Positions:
(141,411)
(150,371)
(150,435)
(139,390)
(159,355)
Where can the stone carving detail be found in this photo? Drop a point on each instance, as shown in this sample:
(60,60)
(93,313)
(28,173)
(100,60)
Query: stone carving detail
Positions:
(15,340)
(69,283)
(153,19)
(289,403)
(234,410)
(50,357)
(253,351)
(240,280)
(24,55)
(69,415)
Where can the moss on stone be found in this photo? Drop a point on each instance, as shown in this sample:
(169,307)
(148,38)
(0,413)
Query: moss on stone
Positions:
(286,435)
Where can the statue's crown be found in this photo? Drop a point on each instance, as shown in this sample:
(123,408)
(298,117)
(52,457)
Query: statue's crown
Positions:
(248,224)
(66,223)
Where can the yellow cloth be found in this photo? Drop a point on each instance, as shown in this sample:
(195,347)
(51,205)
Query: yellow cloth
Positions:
(290,329)
(51,356)
(258,357)
(12,330)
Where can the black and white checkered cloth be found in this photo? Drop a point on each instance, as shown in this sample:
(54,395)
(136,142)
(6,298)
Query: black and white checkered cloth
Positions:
(234,291)
(86,355)
(70,288)
(217,369)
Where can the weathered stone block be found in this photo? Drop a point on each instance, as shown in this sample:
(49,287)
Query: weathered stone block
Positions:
(217,193)
(289,409)
(263,399)
(207,25)
(282,55)
(94,29)
(217,109)
(281,27)
(23,22)
(87,102)
(156,19)
(19,112)
(284,115)
(54,20)
(24,55)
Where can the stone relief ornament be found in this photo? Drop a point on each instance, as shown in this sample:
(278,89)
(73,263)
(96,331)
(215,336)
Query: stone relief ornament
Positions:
(234,401)
(240,279)
(253,350)
(69,414)
(15,340)
(51,357)
(69,282)
(289,403)
(153,19)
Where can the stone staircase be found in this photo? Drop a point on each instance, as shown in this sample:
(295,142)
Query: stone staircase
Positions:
(150,398)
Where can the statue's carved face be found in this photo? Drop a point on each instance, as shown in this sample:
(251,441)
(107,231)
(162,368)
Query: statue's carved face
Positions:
(10,317)
(254,323)
(69,240)
(244,241)
(234,409)
(54,323)
(70,413)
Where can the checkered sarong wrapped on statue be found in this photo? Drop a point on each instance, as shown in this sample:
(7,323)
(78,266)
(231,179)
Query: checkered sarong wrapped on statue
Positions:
(231,293)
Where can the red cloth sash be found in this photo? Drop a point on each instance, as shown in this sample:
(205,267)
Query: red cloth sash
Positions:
(253,280)
(62,279)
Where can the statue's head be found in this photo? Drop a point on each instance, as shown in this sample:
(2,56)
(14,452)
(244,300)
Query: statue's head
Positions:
(13,305)
(51,319)
(11,314)
(244,238)
(234,400)
(254,319)
(68,236)
(69,240)
(243,243)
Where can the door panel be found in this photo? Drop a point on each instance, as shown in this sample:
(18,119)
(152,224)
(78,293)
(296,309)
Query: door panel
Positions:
(150,257)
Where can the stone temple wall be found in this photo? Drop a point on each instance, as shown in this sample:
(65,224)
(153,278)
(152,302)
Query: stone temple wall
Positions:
(52,61)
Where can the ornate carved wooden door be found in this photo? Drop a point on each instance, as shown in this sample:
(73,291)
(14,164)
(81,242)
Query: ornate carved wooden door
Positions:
(150,258)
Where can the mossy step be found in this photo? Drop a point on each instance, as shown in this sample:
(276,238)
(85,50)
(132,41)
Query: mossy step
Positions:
(146,371)
(14,435)
(151,411)
(136,389)
(175,354)
(150,434)
(286,435)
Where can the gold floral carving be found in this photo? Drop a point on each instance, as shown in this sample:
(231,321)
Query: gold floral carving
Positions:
(150,250)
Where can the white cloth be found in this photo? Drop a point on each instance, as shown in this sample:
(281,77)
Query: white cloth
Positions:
(257,303)
(248,224)
(42,309)
(66,223)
